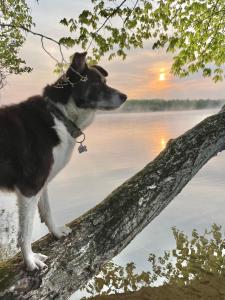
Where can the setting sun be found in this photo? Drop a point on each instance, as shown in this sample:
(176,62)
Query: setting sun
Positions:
(162,75)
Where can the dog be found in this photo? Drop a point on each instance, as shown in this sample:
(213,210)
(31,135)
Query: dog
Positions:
(37,138)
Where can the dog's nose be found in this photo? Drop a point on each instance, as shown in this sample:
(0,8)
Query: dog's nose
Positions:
(123,97)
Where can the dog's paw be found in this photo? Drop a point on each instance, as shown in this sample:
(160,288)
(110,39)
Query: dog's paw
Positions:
(35,262)
(61,231)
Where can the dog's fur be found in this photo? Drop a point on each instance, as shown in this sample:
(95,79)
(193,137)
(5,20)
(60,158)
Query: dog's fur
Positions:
(35,145)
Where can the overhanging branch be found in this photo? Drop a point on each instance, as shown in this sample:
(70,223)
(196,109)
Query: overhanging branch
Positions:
(26,29)
(105,22)
(42,36)
(108,228)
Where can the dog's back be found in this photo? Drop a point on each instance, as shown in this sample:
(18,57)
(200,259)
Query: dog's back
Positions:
(26,142)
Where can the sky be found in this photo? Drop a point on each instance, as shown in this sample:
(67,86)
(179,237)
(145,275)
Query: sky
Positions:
(145,74)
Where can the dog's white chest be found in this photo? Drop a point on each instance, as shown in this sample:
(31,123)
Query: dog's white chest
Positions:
(63,151)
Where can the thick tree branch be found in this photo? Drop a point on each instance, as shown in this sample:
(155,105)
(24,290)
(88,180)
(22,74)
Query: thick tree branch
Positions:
(107,229)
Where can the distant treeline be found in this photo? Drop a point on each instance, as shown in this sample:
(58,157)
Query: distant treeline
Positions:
(161,105)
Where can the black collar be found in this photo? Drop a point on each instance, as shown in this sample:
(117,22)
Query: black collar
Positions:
(71,127)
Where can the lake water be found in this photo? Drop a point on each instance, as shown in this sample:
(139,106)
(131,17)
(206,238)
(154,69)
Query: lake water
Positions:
(119,145)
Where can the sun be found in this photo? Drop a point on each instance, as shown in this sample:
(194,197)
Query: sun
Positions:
(162,75)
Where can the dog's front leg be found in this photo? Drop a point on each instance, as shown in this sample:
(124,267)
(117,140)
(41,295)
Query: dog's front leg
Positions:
(46,217)
(27,207)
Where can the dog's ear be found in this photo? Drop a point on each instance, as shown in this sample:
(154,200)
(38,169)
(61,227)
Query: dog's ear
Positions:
(79,61)
(101,70)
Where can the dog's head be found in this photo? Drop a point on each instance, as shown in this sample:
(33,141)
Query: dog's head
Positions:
(94,92)
(86,85)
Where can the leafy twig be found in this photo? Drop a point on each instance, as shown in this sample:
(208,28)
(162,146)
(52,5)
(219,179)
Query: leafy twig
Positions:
(106,20)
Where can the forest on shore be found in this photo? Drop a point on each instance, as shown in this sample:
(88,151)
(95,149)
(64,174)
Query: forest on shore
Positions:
(146,105)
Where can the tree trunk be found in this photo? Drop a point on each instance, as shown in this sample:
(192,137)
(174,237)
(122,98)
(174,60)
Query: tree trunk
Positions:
(108,228)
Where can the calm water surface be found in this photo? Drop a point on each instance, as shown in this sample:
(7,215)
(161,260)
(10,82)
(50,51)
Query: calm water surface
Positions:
(119,145)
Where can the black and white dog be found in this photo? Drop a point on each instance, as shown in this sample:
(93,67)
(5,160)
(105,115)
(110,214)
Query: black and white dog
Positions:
(37,139)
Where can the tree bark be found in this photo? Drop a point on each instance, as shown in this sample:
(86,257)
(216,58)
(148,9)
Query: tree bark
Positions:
(108,228)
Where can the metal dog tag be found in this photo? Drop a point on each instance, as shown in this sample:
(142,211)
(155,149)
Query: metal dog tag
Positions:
(82,148)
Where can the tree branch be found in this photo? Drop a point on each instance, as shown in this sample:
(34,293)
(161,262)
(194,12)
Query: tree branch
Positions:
(108,228)
(110,16)
(30,31)
(42,36)
(106,20)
